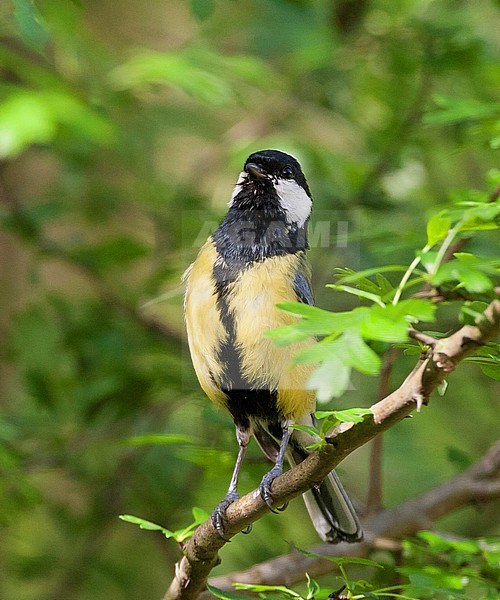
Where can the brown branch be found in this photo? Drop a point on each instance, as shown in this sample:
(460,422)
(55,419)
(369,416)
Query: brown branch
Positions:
(201,551)
(479,483)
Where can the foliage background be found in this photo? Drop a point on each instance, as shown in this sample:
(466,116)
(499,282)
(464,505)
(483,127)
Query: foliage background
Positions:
(123,126)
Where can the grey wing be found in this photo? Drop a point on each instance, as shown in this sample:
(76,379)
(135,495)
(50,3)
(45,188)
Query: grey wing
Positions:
(302,287)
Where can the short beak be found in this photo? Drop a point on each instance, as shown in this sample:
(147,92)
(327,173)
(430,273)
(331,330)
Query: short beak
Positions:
(255,171)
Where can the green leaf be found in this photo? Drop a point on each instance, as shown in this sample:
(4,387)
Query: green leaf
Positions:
(310,429)
(320,351)
(352,415)
(414,309)
(143,524)
(470,311)
(25,119)
(437,229)
(359,355)
(226,595)
(383,326)
(200,515)
(315,321)
(259,588)
(180,535)
(384,285)
(356,292)
(349,415)
(312,588)
(493,178)
(467,270)
(491,370)
(330,380)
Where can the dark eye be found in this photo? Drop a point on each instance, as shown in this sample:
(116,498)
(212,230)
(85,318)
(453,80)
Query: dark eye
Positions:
(287,172)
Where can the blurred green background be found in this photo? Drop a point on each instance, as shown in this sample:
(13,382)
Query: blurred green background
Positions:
(123,127)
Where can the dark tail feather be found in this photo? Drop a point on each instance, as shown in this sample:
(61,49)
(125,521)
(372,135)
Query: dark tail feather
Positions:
(330,509)
(332,513)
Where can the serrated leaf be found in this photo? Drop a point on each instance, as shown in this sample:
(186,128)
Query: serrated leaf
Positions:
(352,415)
(382,326)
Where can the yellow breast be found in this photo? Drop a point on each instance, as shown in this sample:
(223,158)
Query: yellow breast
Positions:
(251,301)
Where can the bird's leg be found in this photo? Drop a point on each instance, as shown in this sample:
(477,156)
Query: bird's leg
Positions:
(219,513)
(267,480)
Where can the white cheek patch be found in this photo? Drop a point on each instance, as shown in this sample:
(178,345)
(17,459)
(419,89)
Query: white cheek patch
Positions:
(237,188)
(294,201)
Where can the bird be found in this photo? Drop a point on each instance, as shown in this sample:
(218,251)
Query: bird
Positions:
(254,260)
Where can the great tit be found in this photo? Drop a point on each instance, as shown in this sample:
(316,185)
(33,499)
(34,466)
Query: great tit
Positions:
(253,261)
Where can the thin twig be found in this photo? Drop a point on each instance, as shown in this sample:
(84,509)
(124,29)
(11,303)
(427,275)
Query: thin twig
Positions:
(428,340)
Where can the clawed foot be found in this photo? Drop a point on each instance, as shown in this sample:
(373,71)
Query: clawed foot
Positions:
(219,516)
(265,489)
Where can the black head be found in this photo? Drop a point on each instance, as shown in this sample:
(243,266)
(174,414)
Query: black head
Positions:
(272,183)
(269,209)
(273,166)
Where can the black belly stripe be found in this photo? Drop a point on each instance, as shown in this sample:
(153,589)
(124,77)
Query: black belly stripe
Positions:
(244,238)
(243,401)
